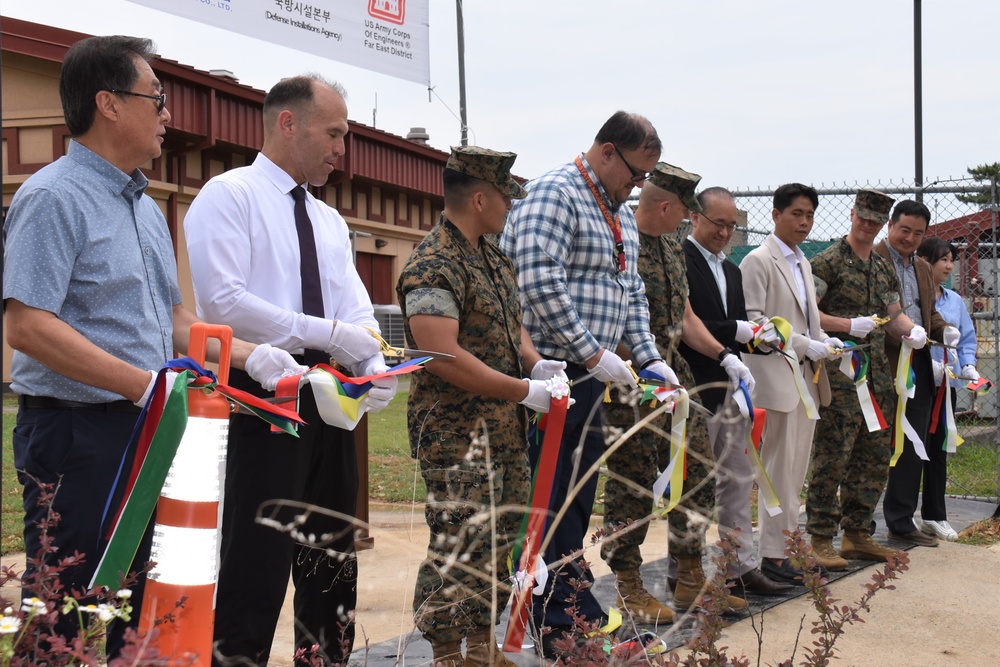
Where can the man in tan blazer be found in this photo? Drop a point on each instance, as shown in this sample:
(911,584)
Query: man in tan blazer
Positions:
(777,282)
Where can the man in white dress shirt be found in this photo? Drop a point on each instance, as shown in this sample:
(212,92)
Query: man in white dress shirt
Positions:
(254,267)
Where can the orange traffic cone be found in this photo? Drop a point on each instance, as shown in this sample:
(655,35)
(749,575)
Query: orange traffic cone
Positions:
(188,516)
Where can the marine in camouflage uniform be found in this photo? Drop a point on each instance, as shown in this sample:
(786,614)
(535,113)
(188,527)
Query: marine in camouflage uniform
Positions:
(472,448)
(846,456)
(662,267)
(633,466)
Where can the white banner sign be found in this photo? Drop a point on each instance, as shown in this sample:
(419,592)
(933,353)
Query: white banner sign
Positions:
(387,36)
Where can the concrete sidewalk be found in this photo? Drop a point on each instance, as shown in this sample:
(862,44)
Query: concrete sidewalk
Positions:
(942,613)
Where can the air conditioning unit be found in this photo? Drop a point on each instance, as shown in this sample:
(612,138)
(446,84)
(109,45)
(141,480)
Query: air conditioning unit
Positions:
(390,323)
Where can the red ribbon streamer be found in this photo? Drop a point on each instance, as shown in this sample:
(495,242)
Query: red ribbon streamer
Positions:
(540,497)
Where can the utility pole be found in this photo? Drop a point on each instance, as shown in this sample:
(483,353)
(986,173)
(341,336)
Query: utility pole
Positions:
(461,73)
(918,121)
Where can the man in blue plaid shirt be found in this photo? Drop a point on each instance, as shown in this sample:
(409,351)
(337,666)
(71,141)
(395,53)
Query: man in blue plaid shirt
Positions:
(575,246)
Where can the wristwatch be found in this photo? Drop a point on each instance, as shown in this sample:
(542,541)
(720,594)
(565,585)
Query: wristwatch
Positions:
(723,352)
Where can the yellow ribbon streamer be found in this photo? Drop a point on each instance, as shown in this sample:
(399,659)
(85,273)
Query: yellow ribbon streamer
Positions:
(764,486)
(673,474)
(904,392)
(785,331)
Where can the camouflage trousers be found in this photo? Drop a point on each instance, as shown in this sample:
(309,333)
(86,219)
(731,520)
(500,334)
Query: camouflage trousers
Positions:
(849,458)
(632,469)
(463,582)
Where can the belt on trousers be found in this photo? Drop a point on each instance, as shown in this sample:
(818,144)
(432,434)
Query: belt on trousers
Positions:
(49,403)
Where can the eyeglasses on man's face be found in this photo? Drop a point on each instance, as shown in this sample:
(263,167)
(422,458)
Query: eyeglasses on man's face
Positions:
(719,226)
(637,176)
(161,99)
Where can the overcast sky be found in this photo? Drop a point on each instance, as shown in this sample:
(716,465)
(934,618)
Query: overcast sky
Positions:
(748,93)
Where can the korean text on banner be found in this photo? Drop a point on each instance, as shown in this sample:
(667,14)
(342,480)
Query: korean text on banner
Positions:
(387,36)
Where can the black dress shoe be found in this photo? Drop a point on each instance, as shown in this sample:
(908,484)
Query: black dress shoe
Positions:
(787,573)
(917,537)
(755,581)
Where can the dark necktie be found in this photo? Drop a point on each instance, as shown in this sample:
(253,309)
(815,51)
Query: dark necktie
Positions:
(312,289)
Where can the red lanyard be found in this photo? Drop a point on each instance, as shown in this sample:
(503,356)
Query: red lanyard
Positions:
(613,222)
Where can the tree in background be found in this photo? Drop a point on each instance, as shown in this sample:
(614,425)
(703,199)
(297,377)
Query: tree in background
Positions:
(987,173)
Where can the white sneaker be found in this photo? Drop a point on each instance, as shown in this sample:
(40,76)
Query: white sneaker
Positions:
(940,528)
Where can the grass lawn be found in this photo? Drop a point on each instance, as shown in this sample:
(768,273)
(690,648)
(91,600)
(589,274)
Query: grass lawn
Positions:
(393,476)
(11,523)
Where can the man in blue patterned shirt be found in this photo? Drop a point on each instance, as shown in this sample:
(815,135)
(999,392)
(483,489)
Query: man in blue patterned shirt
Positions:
(575,246)
(92,308)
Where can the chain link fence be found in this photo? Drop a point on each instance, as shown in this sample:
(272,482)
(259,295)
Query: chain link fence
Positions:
(973,228)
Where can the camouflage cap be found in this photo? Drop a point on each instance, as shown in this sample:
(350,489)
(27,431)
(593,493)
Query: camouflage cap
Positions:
(487,165)
(873,205)
(676,180)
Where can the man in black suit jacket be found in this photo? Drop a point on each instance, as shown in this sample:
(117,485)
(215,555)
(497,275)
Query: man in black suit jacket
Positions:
(716,294)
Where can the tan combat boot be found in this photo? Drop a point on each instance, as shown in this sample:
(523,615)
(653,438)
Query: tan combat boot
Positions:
(447,654)
(825,554)
(860,545)
(481,650)
(637,601)
(691,583)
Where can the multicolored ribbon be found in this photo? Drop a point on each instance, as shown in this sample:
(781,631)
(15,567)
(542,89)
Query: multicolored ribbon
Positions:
(980,387)
(527,547)
(855,364)
(767,493)
(784,330)
(675,472)
(951,439)
(341,400)
(905,388)
(149,454)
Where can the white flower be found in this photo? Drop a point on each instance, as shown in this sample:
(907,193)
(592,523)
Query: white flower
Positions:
(8,611)
(89,608)
(34,604)
(106,612)
(125,593)
(9,625)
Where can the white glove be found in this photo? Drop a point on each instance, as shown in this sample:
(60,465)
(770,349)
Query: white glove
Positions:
(547,369)
(769,335)
(835,343)
(917,337)
(737,370)
(351,344)
(171,376)
(538,397)
(661,369)
(950,336)
(938,371)
(862,326)
(969,371)
(744,331)
(818,350)
(611,368)
(268,364)
(382,390)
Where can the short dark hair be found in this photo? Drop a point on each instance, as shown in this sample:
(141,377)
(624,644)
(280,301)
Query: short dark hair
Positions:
(711,193)
(932,249)
(911,207)
(629,132)
(789,192)
(95,64)
(458,186)
(296,92)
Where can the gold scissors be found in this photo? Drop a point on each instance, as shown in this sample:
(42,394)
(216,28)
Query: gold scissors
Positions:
(401,352)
